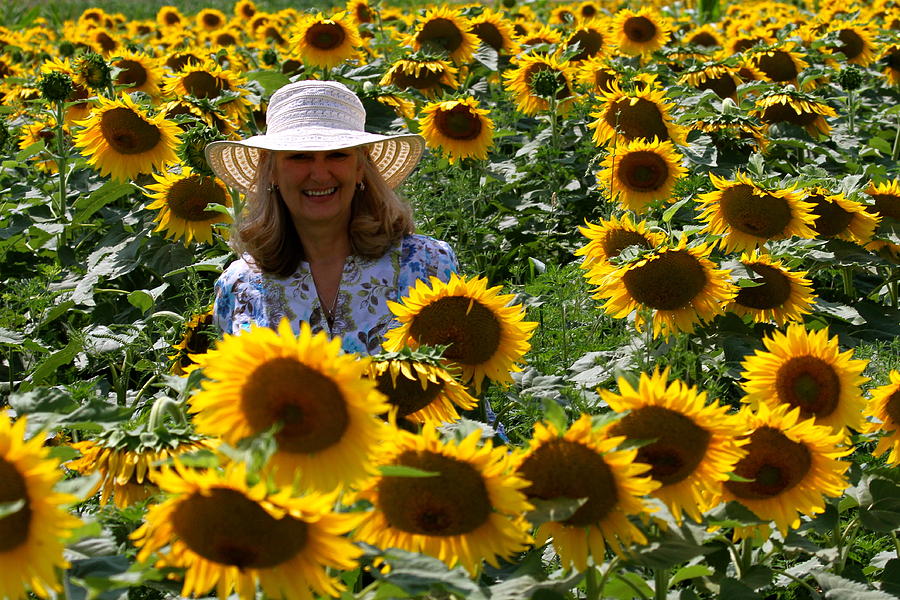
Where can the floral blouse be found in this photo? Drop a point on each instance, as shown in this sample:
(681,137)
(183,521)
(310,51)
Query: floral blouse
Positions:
(245,295)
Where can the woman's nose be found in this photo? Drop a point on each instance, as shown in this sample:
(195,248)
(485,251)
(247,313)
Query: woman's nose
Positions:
(318,169)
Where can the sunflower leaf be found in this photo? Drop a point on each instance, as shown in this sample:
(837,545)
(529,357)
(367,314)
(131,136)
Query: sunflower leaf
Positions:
(402,471)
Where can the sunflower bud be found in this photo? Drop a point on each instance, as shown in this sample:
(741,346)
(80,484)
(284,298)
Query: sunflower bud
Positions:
(269,57)
(193,144)
(544,83)
(850,78)
(508,3)
(96,72)
(56,86)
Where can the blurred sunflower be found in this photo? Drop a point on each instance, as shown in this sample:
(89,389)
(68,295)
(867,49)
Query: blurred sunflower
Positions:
(495,30)
(638,173)
(31,538)
(885,406)
(597,73)
(180,59)
(326,42)
(520,81)
(890,57)
(695,445)
(103,41)
(43,129)
(427,75)
(679,285)
(886,198)
(122,140)
(796,108)
(170,16)
(779,64)
(748,216)
(592,37)
(541,35)
(458,127)
(583,463)
(244,9)
(360,11)
(806,370)
(445,29)
(210,19)
(486,336)
(588,9)
(739,41)
(839,217)
(562,15)
(640,32)
(642,113)
(789,466)
(469,511)
(139,73)
(229,535)
(77,105)
(196,339)
(706,36)
(206,81)
(609,237)
(779,294)
(721,79)
(327,410)
(420,391)
(226,38)
(855,41)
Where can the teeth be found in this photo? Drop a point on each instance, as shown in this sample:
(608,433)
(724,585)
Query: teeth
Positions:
(320,192)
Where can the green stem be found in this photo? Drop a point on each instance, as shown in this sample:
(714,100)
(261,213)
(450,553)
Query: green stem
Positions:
(144,389)
(61,167)
(613,566)
(846,542)
(847,277)
(813,591)
(746,555)
(661,583)
(896,541)
(592,592)
(895,152)
(554,133)
(851,106)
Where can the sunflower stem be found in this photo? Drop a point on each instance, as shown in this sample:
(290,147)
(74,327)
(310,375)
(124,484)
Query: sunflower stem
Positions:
(661,583)
(851,109)
(847,277)
(61,167)
(845,542)
(592,592)
(896,541)
(612,568)
(813,591)
(635,588)
(746,555)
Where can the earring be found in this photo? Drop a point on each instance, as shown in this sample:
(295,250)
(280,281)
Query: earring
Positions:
(361,186)
(272,188)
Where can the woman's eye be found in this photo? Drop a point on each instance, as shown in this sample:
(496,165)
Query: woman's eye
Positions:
(298,156)
(338,155)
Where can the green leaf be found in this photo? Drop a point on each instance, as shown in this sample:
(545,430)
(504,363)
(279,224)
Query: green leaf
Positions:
(401,471)
(141,300)
(557,509)
(844,589)
(690,572)
(30,150)
(109,192)
(58,359)
(555,415)
(487,56)
(417,574)
(79,487)
(618,589)
(526,586)
(882,511)
(670,212)
(269,80)
(881,145)
(732,589)
(11,508)
(57,311)
(11,338)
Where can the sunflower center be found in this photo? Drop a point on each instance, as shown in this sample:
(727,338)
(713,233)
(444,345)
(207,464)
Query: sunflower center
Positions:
(618,239)
(127,132)
(408,394)
(106,42)
(413,75)
(591,42)
(679,447)
(639,29)
(458,123)
(765,216)
(489,34)
(643,171)
(893,60)
(188,197)
(201,84)
(325,36)
(442,33)
(892,407)
(14,528)
(668,282)
(704,39)
(810,383)
(831,219)
(778,66)
(309,405)
(887,205)
(641,120)
(603,79)
(225,527)
(852,44)
(226,39)
(211,20)
(363,14)
(454,502)
(133,73)
(773,291)
(470,328)
(722,85)
(171,18)
(774,463)
(562,468)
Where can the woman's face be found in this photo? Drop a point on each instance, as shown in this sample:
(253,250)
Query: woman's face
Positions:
(318,187)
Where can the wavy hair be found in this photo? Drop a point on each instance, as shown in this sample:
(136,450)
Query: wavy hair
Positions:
(379,218)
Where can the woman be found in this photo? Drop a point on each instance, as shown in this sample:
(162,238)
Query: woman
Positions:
(324,238)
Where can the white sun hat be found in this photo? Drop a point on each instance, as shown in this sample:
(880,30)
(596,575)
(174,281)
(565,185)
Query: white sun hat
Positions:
(314,116)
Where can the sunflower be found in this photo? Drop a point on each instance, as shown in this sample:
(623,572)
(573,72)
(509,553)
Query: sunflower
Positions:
(748,216)
(797,109)
(562,16)
(169,16)
(779,294)
(229,535)
(679,285)
(210,19)
(139,73)
(458,127)
(721,79)
(609,237)
(640,32)
(360,11)
(520,83)
(326,42)
(495,30)
(207,81)
(806,370)
(597,73)
(638,173)
(402,106)
(885,406)
(446,30)
(891,59)
(31,538)
(486,336)
(706,36)
(695,445)
(44,129)
(103,41)
(77,103)
(780,64)
(470,510)
(327,411)
(420,391)
(583,463)
(642,113)
(855,42)
(587,10)
(181,199)
(196,339)
(226,38)
(592,36)
(789,466)
(122,140)
(542,35)
(839,217)
(426,75)
(886,197)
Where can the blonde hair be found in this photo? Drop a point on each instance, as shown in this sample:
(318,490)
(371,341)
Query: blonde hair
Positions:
(379,219)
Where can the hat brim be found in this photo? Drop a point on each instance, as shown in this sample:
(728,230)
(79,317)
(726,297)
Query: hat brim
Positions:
(236,162)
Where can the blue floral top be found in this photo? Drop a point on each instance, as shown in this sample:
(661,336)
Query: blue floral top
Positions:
(245,295)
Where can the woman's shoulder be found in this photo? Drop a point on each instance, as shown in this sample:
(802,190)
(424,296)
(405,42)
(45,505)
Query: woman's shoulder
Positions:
(416,243)
(425,257)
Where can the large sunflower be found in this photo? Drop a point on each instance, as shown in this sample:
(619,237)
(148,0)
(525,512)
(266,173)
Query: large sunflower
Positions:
(640,32)
(469,510)
(326,42)
(486,336)
(139,73)
(610,236)
(31,538)
(707,36)
(839,217)
(229,535)
(208,81)
(520,81)
(458,127)
(445,29)
(679,285)
(495,30)
(779,64)
(597,73)
(806,370)
(638,173)
(789,466)
(122,140)
(721,79)
(855,41)
(695,445)
(885,406)
(181,200)
(426,75)
(584,463)
(779,294)
(748,216)
(797,109)
(592,37)
(326,409)
(642,113)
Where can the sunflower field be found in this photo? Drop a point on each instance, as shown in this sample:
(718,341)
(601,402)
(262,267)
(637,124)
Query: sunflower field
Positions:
(668,369)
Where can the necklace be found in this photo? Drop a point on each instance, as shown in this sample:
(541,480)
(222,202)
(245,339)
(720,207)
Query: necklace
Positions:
(329,312)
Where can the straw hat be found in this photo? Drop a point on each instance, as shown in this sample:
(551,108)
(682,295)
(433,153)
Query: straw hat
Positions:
(314,116)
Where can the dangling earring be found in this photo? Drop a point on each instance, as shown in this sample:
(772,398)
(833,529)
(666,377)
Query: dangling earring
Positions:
(272,188)
(361,186)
